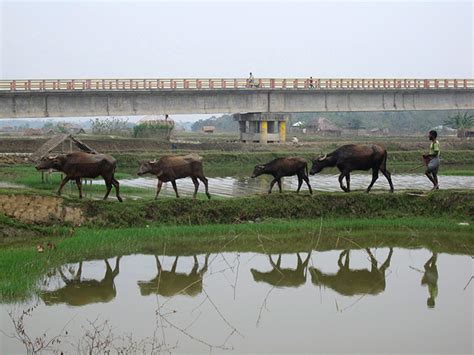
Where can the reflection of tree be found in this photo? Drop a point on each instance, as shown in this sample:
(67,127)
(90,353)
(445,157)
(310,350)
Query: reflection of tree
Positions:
(79,292)
(430,278)
(354,282)
(283,277)
(170,283)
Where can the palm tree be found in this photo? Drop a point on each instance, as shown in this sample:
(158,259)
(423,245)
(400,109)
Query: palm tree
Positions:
(461,122)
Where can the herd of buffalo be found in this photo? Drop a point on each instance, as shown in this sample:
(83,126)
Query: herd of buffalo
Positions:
(79,165)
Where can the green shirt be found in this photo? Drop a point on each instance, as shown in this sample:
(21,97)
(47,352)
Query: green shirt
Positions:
(434,148)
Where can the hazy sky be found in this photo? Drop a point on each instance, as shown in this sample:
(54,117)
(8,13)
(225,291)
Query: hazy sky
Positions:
(67,39)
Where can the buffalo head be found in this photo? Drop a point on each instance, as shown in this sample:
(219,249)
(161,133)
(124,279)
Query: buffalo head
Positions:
(50,162)
(319,164)
(147,167)
(258,170)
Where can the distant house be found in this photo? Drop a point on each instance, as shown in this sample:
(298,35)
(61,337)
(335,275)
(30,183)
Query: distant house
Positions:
(324,127)
(33,132)
(208,129)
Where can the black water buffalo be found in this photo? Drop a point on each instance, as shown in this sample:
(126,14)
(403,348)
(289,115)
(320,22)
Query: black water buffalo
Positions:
(355,157)
(79,165)
(281,167)
(171,168)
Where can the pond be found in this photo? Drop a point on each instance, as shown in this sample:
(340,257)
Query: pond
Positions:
(361,300)
(232,186)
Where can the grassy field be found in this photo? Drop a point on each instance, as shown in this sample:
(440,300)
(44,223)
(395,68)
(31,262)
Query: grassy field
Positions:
(22,267)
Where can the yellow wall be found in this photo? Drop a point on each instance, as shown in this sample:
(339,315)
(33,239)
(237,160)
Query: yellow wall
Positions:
(263,132)
(282,127)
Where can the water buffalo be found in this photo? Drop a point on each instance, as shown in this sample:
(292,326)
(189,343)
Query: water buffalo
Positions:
(280,167)
(355,157)
(349,282)
(79,292)
(283,277)
(79,165)
(171,168)
(171,283)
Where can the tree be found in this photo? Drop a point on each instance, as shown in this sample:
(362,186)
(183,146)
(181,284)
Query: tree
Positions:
(461,122)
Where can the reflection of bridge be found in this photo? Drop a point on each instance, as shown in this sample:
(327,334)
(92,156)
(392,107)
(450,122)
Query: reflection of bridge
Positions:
(116,97)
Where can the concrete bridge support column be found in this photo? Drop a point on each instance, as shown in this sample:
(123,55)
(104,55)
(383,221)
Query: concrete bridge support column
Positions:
(263,127)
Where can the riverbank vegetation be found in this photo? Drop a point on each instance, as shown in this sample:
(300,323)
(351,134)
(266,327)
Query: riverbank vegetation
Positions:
(22,266)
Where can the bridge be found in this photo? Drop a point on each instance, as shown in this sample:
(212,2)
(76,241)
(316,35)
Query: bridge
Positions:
(128,97)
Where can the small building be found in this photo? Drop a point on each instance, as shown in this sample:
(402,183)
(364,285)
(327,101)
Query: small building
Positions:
(262,127)
(33,132)
(322,126)
(208,129)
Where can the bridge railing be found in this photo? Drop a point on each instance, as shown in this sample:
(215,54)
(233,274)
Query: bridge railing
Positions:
(233,84)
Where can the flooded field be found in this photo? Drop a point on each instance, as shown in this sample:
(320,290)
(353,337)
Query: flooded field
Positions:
(240,186)
(366,300)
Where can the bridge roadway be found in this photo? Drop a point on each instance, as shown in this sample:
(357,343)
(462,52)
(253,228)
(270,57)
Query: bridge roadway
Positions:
(127,97)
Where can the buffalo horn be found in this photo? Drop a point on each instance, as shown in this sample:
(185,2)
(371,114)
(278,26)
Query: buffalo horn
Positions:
(322,157)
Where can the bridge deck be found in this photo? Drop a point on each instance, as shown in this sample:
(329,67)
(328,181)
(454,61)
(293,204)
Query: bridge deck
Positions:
(232,84)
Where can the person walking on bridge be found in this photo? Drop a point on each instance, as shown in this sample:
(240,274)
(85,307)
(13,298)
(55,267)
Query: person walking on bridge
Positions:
(432,160)
(250,80)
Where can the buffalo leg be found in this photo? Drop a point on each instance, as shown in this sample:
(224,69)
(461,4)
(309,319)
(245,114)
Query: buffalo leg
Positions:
(173,182)
(63,182)
(79,186)
(375,176)
(388,176)
(300,182)
(204,181)
(305,178)
(341,176)
(109,187)
(348,182)
(196,186)
(271,185)
(279,184)
(158,188)
(117,188)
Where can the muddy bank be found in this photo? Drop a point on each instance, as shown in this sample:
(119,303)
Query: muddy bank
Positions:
(49,210)
(45,210)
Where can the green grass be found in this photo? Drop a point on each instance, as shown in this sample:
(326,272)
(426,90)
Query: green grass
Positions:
(22,267)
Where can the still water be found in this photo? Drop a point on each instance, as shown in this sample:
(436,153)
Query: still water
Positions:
(239,186)
(363,300)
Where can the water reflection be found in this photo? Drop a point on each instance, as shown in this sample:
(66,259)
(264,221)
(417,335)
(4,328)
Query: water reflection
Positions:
(430,278)
(80,292)
(283,277)
(264,303)
(171,283)
(350,282)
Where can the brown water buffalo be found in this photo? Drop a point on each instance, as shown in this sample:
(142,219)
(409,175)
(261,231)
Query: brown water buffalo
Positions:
(280,167)
(283,277)
(171,283)
(349,282)
(79,292)
(79,165)
(171,168)
(355,157)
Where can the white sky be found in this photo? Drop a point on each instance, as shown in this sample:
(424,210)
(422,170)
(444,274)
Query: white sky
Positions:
(66,39)
(100,39)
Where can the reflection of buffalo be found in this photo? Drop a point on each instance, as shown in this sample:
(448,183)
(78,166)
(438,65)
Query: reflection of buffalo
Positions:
(354,282)
(170,283)
(281,277)
(79,292)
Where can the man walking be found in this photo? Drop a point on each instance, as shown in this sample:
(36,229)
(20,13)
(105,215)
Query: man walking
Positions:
(432,160)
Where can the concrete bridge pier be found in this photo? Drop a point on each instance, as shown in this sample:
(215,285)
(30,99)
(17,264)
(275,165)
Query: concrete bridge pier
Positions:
(262,127)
